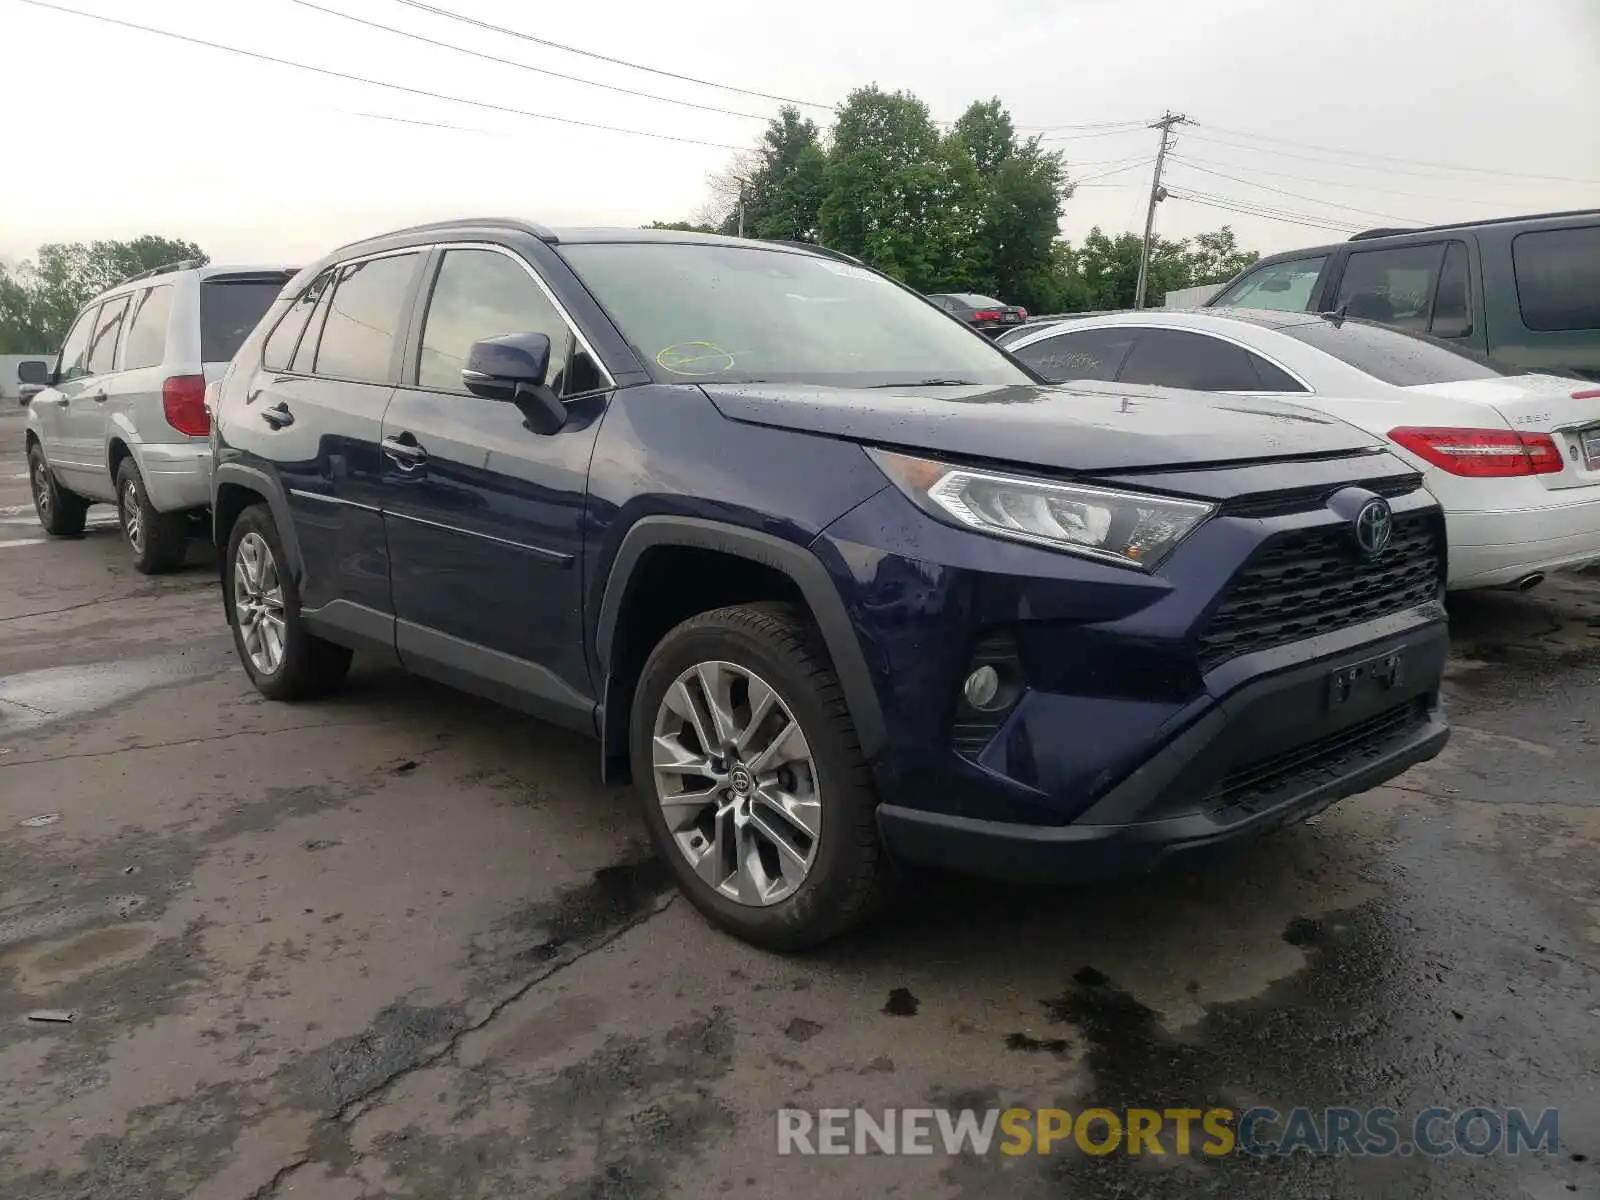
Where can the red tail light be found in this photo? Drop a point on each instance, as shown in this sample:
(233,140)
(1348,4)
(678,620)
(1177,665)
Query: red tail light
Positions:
(986,314)
(183,399)
(1590,394)
(1483,453)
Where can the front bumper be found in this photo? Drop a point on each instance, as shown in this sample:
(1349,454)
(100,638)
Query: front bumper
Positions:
(1271,752)
(177,475)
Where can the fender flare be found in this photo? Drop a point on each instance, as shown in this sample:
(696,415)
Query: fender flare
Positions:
(256,480)
(801,566)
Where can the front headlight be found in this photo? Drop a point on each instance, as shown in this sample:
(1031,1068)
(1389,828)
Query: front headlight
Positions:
(1121,527)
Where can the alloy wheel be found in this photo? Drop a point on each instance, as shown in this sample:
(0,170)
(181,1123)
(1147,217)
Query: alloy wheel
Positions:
(133,516)
(258,603)
(41,489)
(737,783)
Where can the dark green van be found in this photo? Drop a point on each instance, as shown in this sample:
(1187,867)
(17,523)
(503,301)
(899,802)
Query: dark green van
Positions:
(1523,289)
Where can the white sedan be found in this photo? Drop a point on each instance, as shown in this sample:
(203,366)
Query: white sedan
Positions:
(1513,457)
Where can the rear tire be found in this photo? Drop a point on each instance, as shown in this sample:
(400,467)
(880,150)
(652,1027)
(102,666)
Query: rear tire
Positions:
(783,850)
(61,513)
(159,540)
(284,659)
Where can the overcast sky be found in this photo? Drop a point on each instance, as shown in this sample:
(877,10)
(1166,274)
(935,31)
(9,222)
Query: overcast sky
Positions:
(1360,105)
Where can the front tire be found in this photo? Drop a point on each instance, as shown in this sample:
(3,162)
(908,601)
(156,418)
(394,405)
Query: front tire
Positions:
(61,513)
(159,540)
(284,659)
(754,786)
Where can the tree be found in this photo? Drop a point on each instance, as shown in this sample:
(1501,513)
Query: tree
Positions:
(682,226)
(1217,258)
(895,190)
(785,188)
(39,299)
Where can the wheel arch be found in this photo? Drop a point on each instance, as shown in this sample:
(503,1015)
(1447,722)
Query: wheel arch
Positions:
(787,569)
(234,488)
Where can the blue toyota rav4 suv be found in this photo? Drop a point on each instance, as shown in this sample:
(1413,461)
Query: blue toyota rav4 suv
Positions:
(833,579)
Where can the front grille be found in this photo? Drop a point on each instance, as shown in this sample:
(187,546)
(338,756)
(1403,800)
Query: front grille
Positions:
(1295,500)
(1251,788)
(1307,582)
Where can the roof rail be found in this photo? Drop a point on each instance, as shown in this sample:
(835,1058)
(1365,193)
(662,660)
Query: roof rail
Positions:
(542,232)
(816,248)
(183,264)
(1386,232)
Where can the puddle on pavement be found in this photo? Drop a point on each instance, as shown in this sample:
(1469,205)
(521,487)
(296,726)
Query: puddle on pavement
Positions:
(34,698)
(49,964)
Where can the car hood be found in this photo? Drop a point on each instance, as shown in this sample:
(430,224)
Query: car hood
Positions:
(1073,428)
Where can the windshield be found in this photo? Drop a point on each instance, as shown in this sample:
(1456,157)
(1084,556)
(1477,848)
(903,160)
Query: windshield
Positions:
(1401,359)
(745,314)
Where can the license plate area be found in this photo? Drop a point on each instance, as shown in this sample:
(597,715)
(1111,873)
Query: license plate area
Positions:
(1366,680)
(1589,439)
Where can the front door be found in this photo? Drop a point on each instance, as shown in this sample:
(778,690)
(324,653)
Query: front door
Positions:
(51,405)
(485,517)
(84,424)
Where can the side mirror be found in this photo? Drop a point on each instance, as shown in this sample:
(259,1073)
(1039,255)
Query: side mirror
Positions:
(512,368)
(33,370)
(27,392)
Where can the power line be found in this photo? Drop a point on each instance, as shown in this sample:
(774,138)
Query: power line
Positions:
(1357,166)
(1144,162)
(1078,137)
(1416,162)
(1355,187)
(511,62)
(606,58)
(1297,195)
(1228,205)
(397,87)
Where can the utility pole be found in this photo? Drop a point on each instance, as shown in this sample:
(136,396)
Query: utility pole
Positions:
(1157,194)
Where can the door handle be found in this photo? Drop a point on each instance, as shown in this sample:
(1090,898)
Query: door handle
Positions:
(405,451)
(278,415)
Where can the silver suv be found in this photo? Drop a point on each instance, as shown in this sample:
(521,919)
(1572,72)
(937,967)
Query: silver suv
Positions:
(123,420)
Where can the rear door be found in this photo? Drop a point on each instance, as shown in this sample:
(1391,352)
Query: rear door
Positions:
(327,374)
(1547,310)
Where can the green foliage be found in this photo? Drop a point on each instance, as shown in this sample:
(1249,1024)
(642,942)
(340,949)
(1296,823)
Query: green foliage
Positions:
(40,298)
(975,209)
(682,226)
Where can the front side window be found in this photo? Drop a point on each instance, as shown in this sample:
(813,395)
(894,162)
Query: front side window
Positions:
(365,316)
(1089,354)
(709,313)
(1395,286)
(74,362)
(1283,286)
(483,294)
(103,345)
(146,343)
(1401,359)
(1558,278)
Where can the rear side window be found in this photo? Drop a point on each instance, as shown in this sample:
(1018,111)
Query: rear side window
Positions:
(363,323)
(1273,378)
(147,332)
(1174,358)
(1452,303)
(229,310)
(285,336)
(1558,278)
(1090,354)
(1397,286)
(1394,357)
(75,350)
(1284,286)
(103,345)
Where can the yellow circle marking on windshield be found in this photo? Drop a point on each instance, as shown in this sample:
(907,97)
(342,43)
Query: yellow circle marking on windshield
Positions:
(695,358)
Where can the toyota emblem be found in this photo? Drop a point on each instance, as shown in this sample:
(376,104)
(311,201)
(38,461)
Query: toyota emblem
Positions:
(1374,527)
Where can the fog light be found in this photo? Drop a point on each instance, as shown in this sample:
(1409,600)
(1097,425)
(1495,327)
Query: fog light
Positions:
(982,687)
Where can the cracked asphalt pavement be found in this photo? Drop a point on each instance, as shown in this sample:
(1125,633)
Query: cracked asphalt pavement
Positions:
(402,944)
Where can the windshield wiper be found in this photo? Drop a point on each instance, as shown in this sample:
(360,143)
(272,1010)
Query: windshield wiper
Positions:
(930,383)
